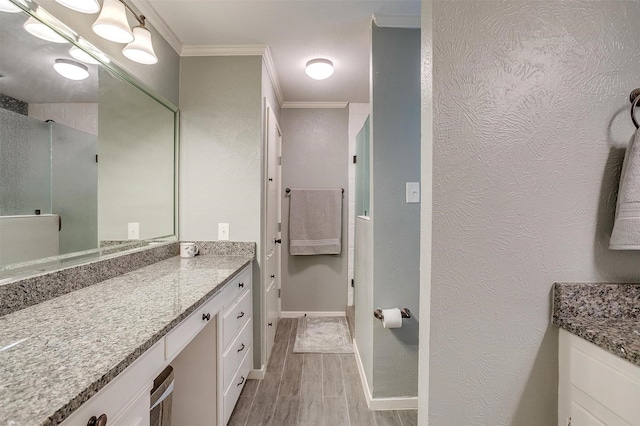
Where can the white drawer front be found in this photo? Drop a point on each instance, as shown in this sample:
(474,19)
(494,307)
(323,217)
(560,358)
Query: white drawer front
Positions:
(116,397)
(239,284)
(235,387)
(137,413)
(605,383)
(236,351)
(180,336)
(235,318)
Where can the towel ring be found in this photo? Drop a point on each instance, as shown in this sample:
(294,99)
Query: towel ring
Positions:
(634,97)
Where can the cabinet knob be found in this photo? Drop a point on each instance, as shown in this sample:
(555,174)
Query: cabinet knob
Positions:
(240,316)
(273,276)
(98,421)
(241,285)
(206,317)
(241,381)
(242,348)
(270,324)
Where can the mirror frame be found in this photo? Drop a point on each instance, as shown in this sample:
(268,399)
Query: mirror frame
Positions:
(35,266)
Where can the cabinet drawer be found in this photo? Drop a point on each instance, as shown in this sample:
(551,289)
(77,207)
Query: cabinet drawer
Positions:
(130,385)
(239,284)
(180,336)
(232,393)
(235,353)
(137,413)
(235,318)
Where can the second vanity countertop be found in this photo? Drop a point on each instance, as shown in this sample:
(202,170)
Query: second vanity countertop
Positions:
(607,315)
(55,355)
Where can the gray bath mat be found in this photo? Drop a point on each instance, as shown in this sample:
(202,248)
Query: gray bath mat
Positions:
(327,335)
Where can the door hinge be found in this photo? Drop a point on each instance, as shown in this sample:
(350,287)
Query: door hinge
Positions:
(96,158)
(279,161)
(279,226)
(352,283)
(279,292)
(354,159)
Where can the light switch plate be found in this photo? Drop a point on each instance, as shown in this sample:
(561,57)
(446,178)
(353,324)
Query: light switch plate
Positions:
(133,231)
(413,192)
(223,231)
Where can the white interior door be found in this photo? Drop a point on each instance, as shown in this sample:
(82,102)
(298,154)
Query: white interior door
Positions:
(273,234)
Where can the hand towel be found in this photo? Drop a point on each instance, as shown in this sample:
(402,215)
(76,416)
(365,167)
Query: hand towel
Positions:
(626,226)
(315,221)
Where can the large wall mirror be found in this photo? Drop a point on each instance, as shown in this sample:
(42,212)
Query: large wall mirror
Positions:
(84,164)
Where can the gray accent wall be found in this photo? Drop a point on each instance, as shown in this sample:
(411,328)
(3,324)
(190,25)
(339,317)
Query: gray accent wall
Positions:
(531,122)
(221,155)
(161,77)
(314,152)
(395,160)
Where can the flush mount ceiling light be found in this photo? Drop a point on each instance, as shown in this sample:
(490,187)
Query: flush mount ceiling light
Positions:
(42,31)
(141,49)
(319,69)
(71,69)
(112,22)
(9,7)
(83,6)
(82,56)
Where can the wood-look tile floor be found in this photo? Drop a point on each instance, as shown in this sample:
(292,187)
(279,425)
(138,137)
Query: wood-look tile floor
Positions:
(310,390)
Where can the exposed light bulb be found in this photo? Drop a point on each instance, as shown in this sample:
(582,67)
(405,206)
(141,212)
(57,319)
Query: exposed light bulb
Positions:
(319,69)
(71,69)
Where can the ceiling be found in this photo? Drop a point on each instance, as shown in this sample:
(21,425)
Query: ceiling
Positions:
(26,67)
(295,31)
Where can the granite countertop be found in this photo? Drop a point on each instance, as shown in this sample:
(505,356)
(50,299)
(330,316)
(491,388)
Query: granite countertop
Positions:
(604,314)
(57,354)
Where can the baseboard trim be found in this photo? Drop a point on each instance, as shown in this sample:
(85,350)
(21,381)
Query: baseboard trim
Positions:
(257,374)
(382,404)
(296,314)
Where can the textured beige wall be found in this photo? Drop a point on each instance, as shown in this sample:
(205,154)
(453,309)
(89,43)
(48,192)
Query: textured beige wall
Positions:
(530,125)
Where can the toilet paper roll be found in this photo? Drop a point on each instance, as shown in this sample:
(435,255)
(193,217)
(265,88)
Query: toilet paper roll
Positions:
(392,318)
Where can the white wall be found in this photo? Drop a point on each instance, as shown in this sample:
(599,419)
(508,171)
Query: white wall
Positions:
(79,116)
(530,123)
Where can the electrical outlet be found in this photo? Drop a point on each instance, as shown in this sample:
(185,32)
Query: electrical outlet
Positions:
(413,192)
(133,231)
(223,231)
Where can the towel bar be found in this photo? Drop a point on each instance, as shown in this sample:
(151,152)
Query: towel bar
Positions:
(288,190)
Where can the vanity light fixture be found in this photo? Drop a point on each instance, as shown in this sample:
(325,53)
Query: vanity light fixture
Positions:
(319,69)
(141,49)
(112,23)
(42,31)
(9,7)
(82,6)
(71,69)
(82,56)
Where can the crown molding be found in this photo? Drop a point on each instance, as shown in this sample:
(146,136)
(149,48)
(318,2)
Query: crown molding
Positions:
(271,70)
(158,24)
(397,21)
(314,104)
(222,50)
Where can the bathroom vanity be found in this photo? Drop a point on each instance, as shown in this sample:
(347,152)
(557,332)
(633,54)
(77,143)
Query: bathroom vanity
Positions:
(97,350)
(599,353)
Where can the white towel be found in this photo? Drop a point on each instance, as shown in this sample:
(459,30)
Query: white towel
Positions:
(626,226)
(315,221)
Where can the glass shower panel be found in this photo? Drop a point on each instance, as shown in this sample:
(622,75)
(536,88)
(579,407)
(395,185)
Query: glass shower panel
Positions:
(362,171)
(25,169)
(75,187)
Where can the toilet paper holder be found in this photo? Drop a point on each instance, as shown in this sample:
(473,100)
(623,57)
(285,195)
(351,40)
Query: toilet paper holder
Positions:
(403,311)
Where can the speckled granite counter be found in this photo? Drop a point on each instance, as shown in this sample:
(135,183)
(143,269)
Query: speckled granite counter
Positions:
(604,314)
(72,346)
